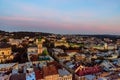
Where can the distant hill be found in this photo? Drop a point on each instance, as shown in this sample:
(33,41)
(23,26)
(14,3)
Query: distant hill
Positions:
(113,37)
(2,31)
(21,34)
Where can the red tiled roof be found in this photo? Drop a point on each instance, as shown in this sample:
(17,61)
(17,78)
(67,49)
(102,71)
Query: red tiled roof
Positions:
(55,64)
(49,70)
(38,74)
(89,70)
(46,71)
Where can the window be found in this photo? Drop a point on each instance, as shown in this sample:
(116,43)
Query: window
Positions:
(2,53)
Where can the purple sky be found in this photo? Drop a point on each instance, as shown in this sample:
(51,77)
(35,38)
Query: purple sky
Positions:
(61,16)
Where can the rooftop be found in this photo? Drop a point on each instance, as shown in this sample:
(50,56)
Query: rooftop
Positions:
(21,76)
(49,70)
(4,45)
(63,72)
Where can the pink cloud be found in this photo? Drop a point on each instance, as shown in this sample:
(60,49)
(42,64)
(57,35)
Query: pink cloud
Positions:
(88,27)
(17,18)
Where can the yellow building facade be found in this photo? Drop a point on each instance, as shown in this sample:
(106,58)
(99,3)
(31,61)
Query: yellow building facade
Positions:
(5,54)
(5,51)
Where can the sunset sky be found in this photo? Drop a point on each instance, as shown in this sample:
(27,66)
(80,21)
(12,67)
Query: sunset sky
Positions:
(61,16)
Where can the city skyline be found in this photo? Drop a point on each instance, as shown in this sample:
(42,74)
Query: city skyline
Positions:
(61,16)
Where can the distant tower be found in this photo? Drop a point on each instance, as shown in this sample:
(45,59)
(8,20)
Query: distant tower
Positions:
(40,48)
(105,46)
(115,47)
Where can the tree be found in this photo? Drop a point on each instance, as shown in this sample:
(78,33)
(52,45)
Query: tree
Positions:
(45,52)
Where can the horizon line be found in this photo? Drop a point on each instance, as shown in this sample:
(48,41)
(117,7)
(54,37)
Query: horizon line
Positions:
(59,33)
